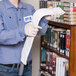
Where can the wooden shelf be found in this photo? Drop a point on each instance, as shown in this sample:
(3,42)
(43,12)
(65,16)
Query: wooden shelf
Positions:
(51,49)
(62,25)
(44,68)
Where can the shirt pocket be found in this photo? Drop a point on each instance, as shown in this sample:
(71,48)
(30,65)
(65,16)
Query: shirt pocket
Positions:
(10,21)
(27,16)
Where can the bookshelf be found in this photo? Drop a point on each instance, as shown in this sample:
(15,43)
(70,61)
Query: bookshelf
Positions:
(72,57)
(51,49)
(66,48)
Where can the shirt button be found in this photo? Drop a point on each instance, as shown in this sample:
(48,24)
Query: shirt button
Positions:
(19,19)
(10,17)
(17,9)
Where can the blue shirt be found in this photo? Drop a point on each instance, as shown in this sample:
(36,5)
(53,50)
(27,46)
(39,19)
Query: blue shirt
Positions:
(12,36)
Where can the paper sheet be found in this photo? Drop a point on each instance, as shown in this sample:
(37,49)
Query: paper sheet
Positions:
(35,20)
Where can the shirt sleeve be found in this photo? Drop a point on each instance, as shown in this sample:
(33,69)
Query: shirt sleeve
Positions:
(10,37)
(44,24)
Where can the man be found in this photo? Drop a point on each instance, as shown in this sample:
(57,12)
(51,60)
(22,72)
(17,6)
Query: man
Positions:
(14,28)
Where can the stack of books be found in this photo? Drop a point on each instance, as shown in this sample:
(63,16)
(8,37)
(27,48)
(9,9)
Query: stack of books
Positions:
(70,13)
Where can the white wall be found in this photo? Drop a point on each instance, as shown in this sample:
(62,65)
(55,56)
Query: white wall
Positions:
(36,45)
(35,3)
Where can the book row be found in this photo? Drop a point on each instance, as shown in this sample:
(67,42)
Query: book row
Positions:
(70,11)
(58,66)
(57,38)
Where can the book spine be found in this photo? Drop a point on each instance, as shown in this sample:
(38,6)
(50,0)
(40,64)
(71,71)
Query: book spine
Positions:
(47,59)
(50,35)
(49,4)
(60,42)
(68,4)
(44,55)
(52,41)
(70,13)
(64,43)
(70,22)
(45,3)
(49,31)
(54,66)
(40,3)
(67,42)
(51,62)
(67,69)
(74,9)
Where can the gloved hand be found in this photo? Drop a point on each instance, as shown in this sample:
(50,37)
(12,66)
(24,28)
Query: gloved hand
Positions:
(31,29)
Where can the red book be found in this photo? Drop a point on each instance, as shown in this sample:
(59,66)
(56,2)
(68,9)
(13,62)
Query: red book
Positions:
(54,65)
(74,8)
(68,39)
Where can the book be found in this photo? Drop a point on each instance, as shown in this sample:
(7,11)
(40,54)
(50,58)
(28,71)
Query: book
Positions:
(58,31)
(70,9)
(67,69)
(60,66)
(47,59)
(46,38)
(56,38)
(69,22)
(41,4)
(51,62)
(52,41)
(70,13)
(45,3)
(54,65)
(44,50)
(67,4)
(46,42)
(67,43)
(70,19)
(70,16)
(49,4)
(62,42)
